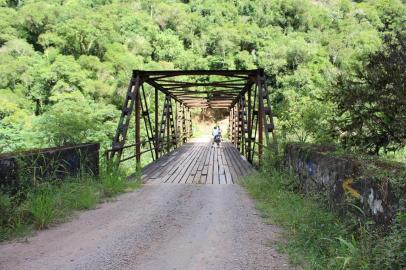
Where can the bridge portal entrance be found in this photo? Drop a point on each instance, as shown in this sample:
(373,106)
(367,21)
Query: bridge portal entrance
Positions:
(162,102)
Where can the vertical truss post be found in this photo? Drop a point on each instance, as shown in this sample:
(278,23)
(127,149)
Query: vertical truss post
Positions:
(264,123)
(237,127)
(231,125)
(137,125)
(190,123)
(184,128)
(124,122)
(172,126)
(260,119)
(156,135)
(176,123)
(167,123)
(162,128)
(249,128)
(255,121)
(147,122)
(267,113)
(242,122)
(187,126)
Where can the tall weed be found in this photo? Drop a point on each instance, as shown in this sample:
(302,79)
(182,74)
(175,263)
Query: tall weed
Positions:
(43,207)
(46,203)
(114,181)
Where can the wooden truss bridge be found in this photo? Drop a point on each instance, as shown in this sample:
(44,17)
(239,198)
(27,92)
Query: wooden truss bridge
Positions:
(165,99)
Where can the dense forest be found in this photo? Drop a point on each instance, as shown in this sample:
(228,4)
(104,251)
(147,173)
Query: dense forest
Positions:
(340,65)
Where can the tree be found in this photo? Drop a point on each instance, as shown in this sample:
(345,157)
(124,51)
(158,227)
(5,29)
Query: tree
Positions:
(167,46)
(8,24)
(74,120)
(372,105)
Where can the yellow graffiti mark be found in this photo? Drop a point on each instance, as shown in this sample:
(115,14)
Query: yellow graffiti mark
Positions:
(347,186)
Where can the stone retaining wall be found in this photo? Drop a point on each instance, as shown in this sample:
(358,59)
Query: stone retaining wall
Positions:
(347,179)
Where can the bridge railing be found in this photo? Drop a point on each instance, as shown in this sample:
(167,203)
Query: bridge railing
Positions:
(108,153)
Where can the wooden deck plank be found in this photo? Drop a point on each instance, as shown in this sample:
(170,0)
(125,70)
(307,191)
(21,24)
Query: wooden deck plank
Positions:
(209,179)
(198,176)
(235,165)
(230,167)
(184,168)
(173,170)
(222,176)
(182,154)
(244,166)
(195,165)
(151,167)
(167,173)
(216,178)
(188,168)
(227,173)
(242,161)
(199,163)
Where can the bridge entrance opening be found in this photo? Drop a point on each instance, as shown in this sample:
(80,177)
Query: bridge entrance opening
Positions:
(163,101)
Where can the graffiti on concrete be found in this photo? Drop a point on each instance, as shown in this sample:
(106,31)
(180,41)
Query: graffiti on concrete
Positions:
(374,203)
(339,177)
(309,167)
(349,189)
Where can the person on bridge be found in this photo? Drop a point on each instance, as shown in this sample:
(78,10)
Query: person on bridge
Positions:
(216,135)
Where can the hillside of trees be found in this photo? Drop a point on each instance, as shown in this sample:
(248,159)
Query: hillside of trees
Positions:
(340,65)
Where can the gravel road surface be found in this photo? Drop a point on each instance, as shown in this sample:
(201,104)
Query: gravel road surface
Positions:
(160,226)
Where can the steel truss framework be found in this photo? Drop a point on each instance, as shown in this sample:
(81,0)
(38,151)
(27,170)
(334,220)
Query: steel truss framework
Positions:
(243,92)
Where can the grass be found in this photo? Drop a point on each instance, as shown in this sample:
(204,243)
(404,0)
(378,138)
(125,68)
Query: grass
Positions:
(398,156)
(43,207)
(318,239)
(53,202)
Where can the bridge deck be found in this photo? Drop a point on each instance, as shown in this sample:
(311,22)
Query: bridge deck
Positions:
(198,163)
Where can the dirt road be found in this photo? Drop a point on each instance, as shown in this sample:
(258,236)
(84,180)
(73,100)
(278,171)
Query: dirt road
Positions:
(160,226)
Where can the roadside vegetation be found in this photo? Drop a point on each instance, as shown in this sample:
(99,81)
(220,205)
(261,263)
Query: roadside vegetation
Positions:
(50,202)
(317,238)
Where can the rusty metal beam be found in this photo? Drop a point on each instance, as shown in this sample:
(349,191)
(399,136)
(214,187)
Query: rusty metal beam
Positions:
(156,136)
(138,128)
(229,73)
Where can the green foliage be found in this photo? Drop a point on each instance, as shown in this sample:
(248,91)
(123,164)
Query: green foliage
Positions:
(316,238)
(47,203)
(5,209)
(390,251)
(372,102)
(73,120)
(79,195)
(312,229)
(42,206)
(113,182)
